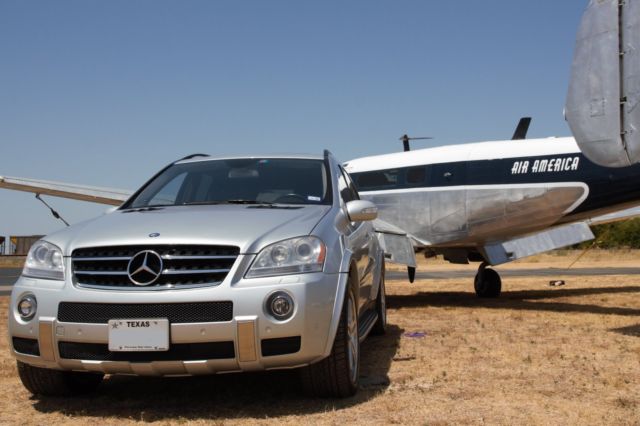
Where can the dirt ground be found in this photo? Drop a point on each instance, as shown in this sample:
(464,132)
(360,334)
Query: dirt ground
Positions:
(537,355)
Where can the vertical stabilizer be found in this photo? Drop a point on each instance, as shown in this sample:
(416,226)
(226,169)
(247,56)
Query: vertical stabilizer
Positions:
(602,104)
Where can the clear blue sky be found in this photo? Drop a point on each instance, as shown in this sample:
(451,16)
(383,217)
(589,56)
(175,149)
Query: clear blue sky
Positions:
(106,93)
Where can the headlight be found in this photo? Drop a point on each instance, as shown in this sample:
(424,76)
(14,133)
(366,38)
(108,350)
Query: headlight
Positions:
(44,261)
(294,256)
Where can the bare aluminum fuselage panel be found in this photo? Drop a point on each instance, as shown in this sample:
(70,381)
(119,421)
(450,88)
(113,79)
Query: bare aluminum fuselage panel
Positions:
(474,215)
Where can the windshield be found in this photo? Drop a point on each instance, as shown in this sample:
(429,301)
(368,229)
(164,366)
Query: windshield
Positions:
(237,181)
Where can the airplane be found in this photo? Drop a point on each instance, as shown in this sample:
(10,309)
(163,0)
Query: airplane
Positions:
(468,204)
(498,201)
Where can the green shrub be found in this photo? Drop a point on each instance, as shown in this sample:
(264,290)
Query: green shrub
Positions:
(625,234)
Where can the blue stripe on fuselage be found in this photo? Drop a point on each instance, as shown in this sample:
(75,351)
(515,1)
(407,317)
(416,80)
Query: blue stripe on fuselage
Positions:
(608,187)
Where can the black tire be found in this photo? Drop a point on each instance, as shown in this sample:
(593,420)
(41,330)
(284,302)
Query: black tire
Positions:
(337,375)
(380,327)
(487,283)
(43,381)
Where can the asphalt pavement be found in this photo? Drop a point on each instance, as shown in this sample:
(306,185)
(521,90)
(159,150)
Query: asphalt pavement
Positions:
(544,272)
(8,277)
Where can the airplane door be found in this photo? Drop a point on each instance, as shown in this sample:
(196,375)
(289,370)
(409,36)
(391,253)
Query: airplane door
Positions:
(447,201)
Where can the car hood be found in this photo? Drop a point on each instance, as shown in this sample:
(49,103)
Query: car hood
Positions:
(247,227)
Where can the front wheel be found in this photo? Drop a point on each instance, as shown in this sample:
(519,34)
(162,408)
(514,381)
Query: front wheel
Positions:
(337,375)
(43,381)
(487,283)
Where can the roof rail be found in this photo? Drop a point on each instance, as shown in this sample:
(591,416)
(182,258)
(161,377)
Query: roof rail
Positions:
(189,157)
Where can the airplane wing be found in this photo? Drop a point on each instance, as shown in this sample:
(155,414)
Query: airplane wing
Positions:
(397,244)
(558,237)
(504,251)
(500,252)
(615,216)
(110,196)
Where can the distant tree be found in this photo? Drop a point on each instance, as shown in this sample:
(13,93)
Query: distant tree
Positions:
(625,234)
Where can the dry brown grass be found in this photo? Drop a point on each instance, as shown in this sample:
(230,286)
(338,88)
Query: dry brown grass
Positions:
(595,258)
(538,355)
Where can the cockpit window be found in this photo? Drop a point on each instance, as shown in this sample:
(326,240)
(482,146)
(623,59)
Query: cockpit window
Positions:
(237,181)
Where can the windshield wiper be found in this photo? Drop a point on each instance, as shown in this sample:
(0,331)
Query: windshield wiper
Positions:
(146,209)
(242,201)
(235,201)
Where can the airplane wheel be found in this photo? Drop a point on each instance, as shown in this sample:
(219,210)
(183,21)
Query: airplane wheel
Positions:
(487,283)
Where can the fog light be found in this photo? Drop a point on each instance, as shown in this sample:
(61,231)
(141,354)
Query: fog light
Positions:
(27,307)
(280,305)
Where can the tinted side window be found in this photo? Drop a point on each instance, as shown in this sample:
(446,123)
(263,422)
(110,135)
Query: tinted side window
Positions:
(352,187)
(448,174)
(345,193)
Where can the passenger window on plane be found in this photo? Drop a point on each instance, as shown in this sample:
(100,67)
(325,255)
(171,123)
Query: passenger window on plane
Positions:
(377,179)
(416,175)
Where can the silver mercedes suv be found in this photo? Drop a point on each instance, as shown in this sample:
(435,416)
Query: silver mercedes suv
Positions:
(214,265)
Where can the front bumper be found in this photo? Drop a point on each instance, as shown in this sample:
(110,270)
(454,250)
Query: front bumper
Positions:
(251,340)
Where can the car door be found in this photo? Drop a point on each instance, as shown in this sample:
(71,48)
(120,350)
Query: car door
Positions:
(361,241)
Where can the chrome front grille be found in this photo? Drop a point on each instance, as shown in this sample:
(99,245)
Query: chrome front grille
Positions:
(183,266)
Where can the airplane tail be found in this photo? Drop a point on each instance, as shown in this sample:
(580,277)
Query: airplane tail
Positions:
(602,103)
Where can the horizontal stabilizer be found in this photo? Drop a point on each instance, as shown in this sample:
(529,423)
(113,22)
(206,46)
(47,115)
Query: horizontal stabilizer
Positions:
(93,194)
(517,248)
(602,103)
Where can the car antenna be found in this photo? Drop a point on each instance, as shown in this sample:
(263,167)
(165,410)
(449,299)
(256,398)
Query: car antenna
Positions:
(53,212)
(406,138)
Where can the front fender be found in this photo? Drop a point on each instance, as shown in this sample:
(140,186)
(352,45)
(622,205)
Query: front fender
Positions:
(347,260)
(379,256)
(341,290)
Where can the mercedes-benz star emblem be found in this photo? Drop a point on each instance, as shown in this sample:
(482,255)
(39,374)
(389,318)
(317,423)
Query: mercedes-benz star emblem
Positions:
(145,267)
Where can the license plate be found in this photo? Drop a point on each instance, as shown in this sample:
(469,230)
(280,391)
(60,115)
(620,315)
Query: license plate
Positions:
(139,335)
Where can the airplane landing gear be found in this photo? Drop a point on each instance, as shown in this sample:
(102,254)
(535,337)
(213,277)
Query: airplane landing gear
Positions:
(487,282)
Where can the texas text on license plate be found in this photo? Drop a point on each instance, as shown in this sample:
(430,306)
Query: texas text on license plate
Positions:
(139,335)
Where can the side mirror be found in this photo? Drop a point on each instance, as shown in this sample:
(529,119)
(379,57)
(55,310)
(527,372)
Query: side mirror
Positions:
(361,210)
